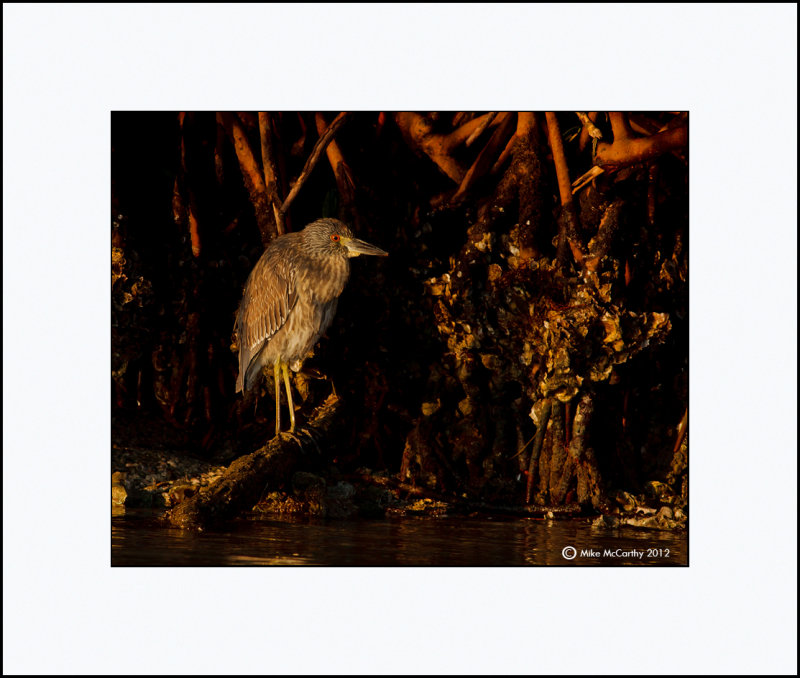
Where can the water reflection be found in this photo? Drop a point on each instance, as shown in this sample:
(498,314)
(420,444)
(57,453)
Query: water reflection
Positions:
(138,539)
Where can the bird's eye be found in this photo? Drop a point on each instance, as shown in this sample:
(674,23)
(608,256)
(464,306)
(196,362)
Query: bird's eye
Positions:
(335,237)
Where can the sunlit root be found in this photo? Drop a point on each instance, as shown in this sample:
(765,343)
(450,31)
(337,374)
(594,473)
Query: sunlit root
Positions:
(627,149)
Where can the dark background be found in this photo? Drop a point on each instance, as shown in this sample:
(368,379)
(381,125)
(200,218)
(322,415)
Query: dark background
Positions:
(443,413)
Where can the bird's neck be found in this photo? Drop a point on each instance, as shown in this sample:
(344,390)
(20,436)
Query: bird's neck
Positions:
(330,277)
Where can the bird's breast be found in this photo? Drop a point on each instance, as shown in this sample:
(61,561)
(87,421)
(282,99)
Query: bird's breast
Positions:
(318,289)
(323,280)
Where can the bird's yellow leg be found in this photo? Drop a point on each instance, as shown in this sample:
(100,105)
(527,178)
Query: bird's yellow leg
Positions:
(288,394)
(276,369)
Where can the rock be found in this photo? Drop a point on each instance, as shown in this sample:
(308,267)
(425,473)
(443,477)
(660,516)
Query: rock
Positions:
(339,500)
(429,408)
(611,521)
(625,499)
(118,494)
(466,406)
(373,501)
(341,490)
(648,521)
(606,522)
(655,489)
(178,493)
(158,479)
(303,481)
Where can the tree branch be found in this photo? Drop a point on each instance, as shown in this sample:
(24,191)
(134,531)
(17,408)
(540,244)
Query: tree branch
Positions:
(341,170)
(628,150)
(568,233)
(270,173)
(463,133)
(484,160)
(485,122)
(589,129)
(253,178)
(418,133)
(240,488)
(320,146)
(544,419)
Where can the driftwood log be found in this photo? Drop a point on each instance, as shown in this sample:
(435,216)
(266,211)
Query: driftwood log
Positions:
(247,478)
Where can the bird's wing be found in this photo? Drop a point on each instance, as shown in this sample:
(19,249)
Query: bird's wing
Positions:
(269,296)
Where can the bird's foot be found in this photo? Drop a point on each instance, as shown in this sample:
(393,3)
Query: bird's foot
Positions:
(302,437)
(311,373)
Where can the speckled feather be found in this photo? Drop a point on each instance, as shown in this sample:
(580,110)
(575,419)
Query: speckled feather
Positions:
(290,298)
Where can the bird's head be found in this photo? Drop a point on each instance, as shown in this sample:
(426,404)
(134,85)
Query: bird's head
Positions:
(332,237)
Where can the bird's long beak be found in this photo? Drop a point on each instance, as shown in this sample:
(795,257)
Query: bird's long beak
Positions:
(355,247)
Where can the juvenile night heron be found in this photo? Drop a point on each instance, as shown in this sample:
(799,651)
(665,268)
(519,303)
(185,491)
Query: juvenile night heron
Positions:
(289,301)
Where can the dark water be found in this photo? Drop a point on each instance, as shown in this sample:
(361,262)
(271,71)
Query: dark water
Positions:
(138,539)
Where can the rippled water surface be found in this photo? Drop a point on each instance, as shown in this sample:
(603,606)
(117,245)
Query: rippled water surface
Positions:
(138,539)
